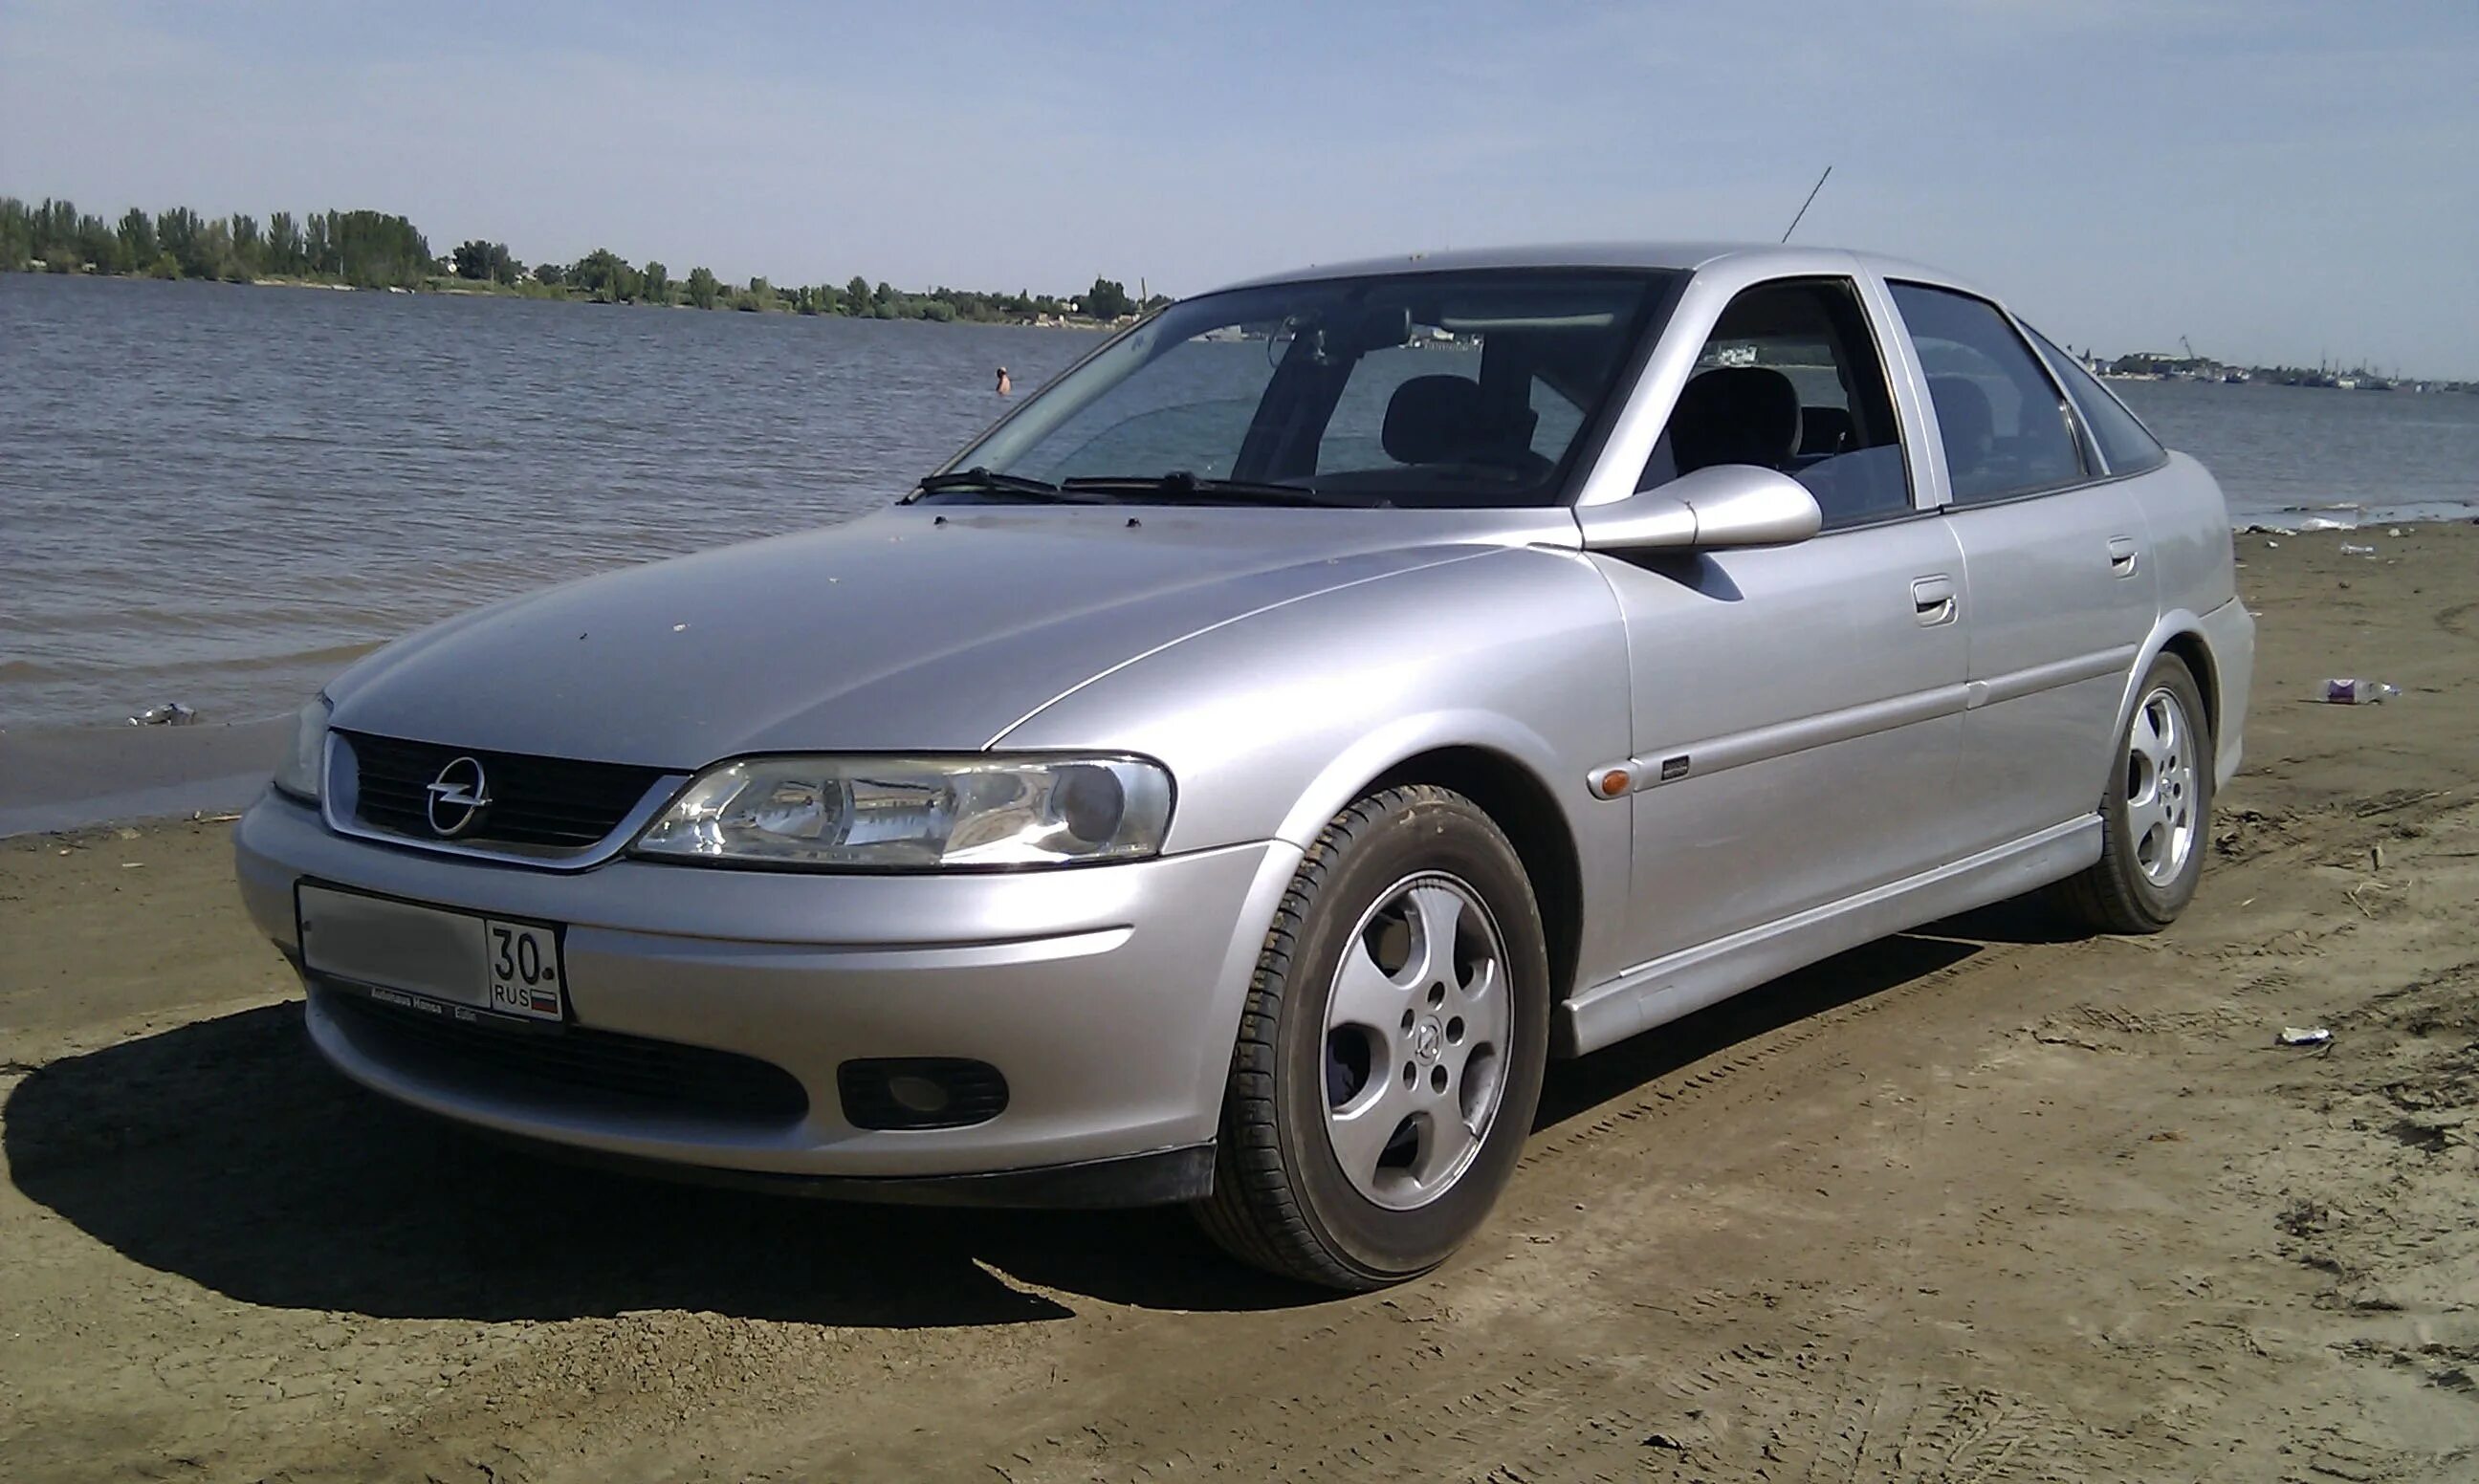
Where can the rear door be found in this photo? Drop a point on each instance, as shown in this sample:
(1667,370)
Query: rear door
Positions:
(1797,709)
(2061,581)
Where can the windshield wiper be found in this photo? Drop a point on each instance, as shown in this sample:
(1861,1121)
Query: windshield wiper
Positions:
(993,482)
(1182,487)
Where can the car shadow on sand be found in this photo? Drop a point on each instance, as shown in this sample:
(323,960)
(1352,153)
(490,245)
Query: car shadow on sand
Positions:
(225,1151)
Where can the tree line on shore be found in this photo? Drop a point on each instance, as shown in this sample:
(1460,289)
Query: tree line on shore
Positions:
(367,250)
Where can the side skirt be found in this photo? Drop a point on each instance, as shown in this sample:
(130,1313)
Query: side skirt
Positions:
(1658,992)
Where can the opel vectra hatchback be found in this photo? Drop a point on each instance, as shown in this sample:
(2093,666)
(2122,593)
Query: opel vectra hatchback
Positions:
(1236,775)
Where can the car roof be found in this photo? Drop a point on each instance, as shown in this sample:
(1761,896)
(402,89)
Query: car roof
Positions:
(1675,256)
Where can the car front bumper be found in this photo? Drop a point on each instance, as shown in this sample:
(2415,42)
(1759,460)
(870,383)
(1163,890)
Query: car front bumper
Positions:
(1107,996)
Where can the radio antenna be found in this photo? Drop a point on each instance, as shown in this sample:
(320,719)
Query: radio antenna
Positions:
(1804,205)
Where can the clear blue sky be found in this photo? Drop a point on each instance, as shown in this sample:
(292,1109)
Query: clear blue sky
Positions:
(2275,179)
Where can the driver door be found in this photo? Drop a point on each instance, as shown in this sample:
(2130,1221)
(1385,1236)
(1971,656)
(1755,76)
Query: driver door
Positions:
(1797,710)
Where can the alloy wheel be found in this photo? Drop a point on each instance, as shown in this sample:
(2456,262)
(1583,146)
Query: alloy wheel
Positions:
(1415,1043)
(2160,786)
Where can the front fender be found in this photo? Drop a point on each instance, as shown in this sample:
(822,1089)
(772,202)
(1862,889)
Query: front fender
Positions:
(1271,725)
(1397,739)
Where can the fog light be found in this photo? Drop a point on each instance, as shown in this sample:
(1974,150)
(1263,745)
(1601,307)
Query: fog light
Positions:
(920,1092)
(917,1095)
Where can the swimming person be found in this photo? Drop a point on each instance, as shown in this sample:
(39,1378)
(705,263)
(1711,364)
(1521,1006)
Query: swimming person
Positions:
(1006,387)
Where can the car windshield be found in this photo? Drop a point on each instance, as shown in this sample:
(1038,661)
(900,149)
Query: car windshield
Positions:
(1439,389)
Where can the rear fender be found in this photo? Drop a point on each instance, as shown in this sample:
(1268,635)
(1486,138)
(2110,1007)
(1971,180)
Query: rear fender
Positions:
(2224,696)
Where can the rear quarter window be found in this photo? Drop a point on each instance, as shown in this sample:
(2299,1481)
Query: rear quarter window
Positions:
(2124,441)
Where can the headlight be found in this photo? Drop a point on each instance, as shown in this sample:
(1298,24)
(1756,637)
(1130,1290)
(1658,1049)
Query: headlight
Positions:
(305,755)
(917,813)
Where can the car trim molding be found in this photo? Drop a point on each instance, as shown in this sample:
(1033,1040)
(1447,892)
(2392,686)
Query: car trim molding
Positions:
(2015,684)
(1669,764)
(1680,984)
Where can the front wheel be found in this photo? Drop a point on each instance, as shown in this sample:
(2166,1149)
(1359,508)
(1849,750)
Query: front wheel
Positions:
(1391,1055)
(2153,813)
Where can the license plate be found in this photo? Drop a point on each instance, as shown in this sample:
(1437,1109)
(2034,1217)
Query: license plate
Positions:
(461,961)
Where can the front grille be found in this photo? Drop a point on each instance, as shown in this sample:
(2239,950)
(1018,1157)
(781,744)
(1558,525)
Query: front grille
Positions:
(568,1064)
(542,802)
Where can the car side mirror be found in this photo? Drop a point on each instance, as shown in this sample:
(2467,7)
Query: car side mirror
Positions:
(1714,509)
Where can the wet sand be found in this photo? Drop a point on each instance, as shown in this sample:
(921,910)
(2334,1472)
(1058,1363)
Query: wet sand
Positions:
(1987,1202)
(62,779)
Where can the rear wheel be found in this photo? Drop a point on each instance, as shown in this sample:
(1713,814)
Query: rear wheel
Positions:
(1390,1056)
(2153,813)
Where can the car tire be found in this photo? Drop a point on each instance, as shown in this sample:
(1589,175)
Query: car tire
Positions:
(1455,1039)
(2156,814)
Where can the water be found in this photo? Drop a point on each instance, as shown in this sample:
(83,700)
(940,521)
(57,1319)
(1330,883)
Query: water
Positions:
(219,495)
(2285,451)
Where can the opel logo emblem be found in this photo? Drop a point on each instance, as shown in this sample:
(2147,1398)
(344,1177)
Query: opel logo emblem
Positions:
(458,797)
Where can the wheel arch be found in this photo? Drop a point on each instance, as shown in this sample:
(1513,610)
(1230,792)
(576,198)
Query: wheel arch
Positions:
(1520,803)
(2190,646)
(2180,633)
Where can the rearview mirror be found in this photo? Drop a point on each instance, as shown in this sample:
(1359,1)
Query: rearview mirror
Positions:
(1714,509)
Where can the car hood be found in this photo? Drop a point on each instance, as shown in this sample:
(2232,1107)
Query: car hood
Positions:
(916,628)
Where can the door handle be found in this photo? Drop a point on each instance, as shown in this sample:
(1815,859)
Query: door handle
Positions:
(2122,556)
(1933,601)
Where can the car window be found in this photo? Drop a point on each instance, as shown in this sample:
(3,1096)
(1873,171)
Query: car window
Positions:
(2001,419)
(1466,388)
(1355,436)
(1791,379)
(2124,441)
(1190,412)
(1556,420)
(1482,404)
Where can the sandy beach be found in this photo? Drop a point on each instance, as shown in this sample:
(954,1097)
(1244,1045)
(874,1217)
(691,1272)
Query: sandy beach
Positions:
(1987,1201)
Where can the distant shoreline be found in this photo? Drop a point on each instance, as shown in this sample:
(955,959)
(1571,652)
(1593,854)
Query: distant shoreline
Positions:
(384,250)
(448,286)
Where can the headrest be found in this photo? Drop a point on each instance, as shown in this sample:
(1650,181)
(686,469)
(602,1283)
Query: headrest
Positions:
(1735,415)
(1431,420)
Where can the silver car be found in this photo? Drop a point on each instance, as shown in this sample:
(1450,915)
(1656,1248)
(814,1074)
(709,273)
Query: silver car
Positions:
(1237,775)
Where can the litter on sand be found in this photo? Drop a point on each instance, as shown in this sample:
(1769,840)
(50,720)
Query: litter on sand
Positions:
(2346,692)
(172,713)
(2292,1036)
(2347,550)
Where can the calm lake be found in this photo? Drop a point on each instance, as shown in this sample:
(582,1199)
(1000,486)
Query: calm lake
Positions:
(219,495)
